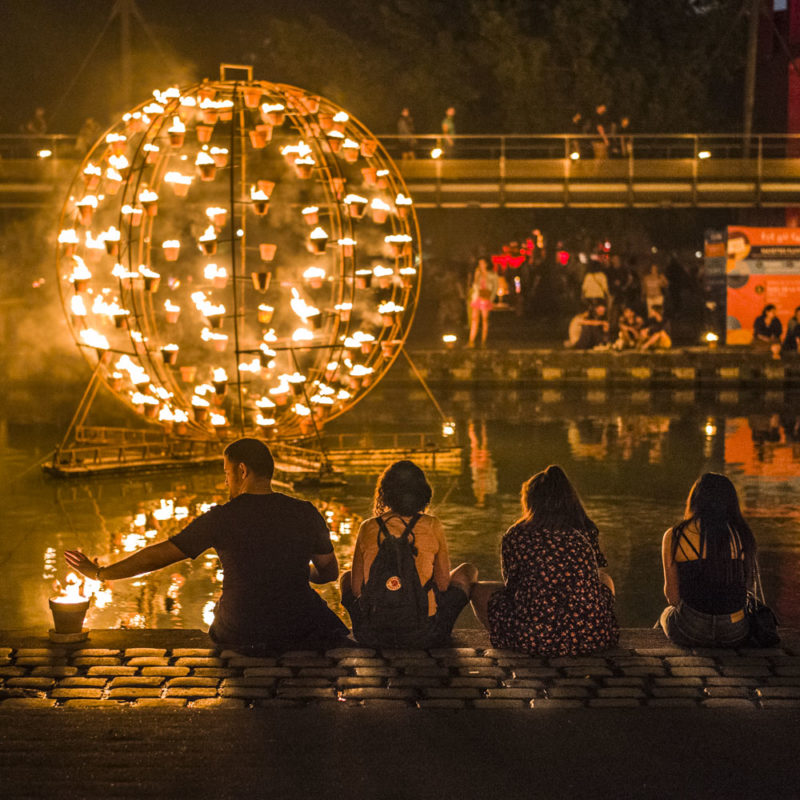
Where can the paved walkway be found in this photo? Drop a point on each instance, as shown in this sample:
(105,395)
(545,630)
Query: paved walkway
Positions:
(174,668)
(157,713)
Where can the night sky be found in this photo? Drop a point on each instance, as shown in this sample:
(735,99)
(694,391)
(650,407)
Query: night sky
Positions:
(47,60)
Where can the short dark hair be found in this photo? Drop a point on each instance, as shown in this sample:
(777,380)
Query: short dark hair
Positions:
(254,454)
(402,488)
(768,307)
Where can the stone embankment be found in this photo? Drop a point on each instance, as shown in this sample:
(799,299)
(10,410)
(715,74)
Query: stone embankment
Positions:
(173,668)
(688,367)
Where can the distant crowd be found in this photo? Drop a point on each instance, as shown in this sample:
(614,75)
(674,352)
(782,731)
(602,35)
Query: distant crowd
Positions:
(600,299)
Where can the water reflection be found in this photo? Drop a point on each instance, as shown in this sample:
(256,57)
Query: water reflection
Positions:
(633,463)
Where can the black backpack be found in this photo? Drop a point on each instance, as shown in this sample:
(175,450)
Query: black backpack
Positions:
(394,603)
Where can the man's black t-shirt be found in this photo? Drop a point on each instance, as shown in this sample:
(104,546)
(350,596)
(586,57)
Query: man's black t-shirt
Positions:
(265,543)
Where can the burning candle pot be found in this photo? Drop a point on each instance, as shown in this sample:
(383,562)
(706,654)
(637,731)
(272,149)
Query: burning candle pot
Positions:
(69,608)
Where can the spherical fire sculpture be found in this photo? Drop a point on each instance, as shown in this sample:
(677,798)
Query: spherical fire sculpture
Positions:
(240,257)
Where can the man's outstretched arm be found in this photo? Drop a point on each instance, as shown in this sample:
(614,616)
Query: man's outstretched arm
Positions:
(149,559)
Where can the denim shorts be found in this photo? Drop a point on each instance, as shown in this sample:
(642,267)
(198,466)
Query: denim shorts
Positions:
(435,632)
(690,628)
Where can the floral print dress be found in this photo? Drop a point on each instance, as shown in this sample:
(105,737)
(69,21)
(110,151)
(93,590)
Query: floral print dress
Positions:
(554,603)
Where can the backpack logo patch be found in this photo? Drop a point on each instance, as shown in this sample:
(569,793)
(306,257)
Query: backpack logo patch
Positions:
(394,583)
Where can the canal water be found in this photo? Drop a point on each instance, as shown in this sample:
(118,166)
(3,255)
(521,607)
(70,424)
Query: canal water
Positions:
(633,456)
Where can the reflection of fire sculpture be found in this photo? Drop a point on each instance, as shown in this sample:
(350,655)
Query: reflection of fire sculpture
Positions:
(239,256)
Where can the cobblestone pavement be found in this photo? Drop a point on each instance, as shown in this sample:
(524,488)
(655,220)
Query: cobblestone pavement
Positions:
(123,669)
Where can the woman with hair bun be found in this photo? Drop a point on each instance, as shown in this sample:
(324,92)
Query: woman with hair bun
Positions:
(556,599)
(379,608)
(709,561)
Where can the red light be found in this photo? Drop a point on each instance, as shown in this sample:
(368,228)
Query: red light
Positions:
(563,257)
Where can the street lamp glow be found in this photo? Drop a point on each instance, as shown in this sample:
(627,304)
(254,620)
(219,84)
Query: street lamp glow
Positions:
(703,154)
(436,152)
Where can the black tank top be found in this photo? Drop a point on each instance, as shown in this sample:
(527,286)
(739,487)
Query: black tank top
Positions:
(698,588)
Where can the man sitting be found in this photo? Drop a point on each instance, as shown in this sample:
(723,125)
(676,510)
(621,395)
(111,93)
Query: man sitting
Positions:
(265,541)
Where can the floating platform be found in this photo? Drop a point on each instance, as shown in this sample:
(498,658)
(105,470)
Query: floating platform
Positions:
(110,451)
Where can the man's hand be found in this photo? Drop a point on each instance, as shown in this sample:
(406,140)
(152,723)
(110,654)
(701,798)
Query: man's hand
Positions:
(85,565)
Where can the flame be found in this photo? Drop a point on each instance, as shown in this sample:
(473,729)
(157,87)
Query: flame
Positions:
(88,201)
(71,591)
(120,162)
(212,271)
(314,272)
(253,366)
(147,196)
(301,308)
(77,306)
(179,178)
(177,126)
(302,335)
(93,338)
(220,376)
(204,159)
(218,420)
(68,236)
(402,200)
(382,272)
(209,234)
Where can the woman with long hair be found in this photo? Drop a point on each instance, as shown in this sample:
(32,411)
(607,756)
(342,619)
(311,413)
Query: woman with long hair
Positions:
(709,561)
(556,598)
(379,608)
(482,293)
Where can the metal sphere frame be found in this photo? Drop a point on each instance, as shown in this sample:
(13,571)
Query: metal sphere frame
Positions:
(239,257)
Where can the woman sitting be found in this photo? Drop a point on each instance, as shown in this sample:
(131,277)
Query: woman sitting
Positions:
(413,599)
(556,600)
(709,561)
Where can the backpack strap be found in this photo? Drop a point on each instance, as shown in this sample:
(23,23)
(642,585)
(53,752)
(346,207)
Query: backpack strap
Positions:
(407,534)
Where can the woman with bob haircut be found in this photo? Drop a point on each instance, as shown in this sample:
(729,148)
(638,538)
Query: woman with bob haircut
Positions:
(402,496)
(709,561)
(556,599)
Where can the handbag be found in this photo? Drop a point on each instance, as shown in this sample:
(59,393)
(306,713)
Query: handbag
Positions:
(761,618)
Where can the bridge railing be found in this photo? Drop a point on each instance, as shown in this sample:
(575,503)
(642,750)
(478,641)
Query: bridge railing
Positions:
(511,146)
(575,147)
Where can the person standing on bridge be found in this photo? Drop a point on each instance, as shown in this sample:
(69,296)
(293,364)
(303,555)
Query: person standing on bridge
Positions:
(405,134)
(449,132)
(601,128)
(270,546)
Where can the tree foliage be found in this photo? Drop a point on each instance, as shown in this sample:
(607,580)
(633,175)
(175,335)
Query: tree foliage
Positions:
(518,65)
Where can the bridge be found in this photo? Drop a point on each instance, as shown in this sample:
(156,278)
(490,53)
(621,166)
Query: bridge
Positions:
(518,171)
